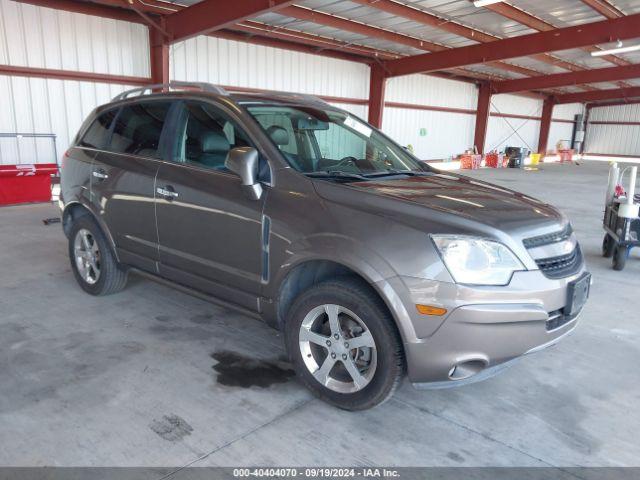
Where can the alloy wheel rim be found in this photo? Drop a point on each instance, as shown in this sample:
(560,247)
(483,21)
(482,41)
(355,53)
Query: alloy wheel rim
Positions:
(337,348)
(87,256)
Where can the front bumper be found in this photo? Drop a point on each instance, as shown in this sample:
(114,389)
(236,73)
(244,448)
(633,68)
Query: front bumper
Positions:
(485,328)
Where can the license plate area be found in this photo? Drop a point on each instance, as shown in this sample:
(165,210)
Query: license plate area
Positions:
(577,294)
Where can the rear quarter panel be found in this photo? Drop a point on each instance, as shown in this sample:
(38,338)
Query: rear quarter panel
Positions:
(75,180)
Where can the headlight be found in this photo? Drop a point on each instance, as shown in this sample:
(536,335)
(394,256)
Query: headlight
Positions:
(477,261)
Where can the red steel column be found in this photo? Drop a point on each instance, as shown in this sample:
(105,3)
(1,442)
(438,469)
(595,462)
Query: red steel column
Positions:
(377,86)
(545,125)
(482,116)
(159,55)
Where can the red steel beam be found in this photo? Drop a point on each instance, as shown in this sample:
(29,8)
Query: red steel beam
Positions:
(613,94)
(558,39)
(290,39)
(288,45)
(328,20)
(157,7)
(426,18)
(159,55)
(116,9)
(89,9)
(531,21)
(50,73)
(407,12)
(482,116)
(604,8)
(209,15)
(322,43)
(377,86)
(520,16)
(613,103)
(545,125)
(277,37)
(566,79)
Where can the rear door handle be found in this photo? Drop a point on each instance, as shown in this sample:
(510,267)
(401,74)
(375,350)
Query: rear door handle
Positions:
(167,192)
(100,174)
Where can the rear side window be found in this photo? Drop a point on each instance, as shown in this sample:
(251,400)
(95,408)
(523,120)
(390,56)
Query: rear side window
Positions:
(97,134)
(138,128)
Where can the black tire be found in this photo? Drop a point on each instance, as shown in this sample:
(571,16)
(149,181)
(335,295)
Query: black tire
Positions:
(620,255)
(113,276)
(359,298)
(608,246)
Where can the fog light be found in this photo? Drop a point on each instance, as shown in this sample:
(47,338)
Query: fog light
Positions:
(430,310)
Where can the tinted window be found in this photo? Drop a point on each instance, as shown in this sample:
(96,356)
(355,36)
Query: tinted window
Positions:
(138,127)
(207,137)
(96,135)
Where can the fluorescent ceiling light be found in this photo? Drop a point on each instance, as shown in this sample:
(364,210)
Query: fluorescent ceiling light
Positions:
(482,3)
(613,51)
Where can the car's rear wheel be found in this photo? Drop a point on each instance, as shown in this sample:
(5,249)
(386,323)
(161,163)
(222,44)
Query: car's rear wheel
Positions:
(344,344)
(92,260)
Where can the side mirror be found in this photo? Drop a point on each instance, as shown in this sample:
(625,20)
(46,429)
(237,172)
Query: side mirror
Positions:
(243,161)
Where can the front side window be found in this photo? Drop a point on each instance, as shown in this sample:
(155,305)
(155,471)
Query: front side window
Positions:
(97,134)
(207,135)
(138,128)
(330,141)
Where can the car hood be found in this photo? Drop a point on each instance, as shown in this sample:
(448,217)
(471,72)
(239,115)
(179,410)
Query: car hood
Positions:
(461,197)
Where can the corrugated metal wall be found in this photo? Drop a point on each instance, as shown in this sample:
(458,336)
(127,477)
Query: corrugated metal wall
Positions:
(227,62)
(622,137)
(47,38)
(505,132)
(34,105)
(562,130)
(432,134)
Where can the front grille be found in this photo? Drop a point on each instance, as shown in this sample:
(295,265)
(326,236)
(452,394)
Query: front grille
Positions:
(561,266)
(548,238)
(557,319)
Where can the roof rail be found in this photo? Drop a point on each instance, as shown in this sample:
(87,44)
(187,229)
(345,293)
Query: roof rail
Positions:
(148,89)
(280,94)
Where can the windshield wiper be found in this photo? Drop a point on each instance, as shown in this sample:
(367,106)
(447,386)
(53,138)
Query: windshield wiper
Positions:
(391,171)
(336,174)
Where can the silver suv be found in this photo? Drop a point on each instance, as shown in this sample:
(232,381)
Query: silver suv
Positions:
(282,206)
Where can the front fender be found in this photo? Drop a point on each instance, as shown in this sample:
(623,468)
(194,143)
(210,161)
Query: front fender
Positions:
(349,253)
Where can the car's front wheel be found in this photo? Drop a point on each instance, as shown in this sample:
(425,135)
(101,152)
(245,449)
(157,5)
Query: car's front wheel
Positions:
(93,263)
(344,344)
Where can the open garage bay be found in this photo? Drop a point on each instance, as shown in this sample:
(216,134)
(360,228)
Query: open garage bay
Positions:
(154,377)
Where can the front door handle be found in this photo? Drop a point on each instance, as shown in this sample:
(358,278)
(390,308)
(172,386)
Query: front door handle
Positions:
(168,193)
(100,174)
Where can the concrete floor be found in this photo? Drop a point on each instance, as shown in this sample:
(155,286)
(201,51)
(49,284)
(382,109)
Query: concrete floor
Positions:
(127,380)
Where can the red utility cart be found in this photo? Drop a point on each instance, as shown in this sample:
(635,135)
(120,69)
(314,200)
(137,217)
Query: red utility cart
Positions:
(26,183)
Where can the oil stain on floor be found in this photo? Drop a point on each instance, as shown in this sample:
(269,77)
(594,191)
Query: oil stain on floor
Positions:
(236,370)
(171,427)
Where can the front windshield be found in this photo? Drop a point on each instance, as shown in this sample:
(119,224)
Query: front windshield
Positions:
(327,141)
